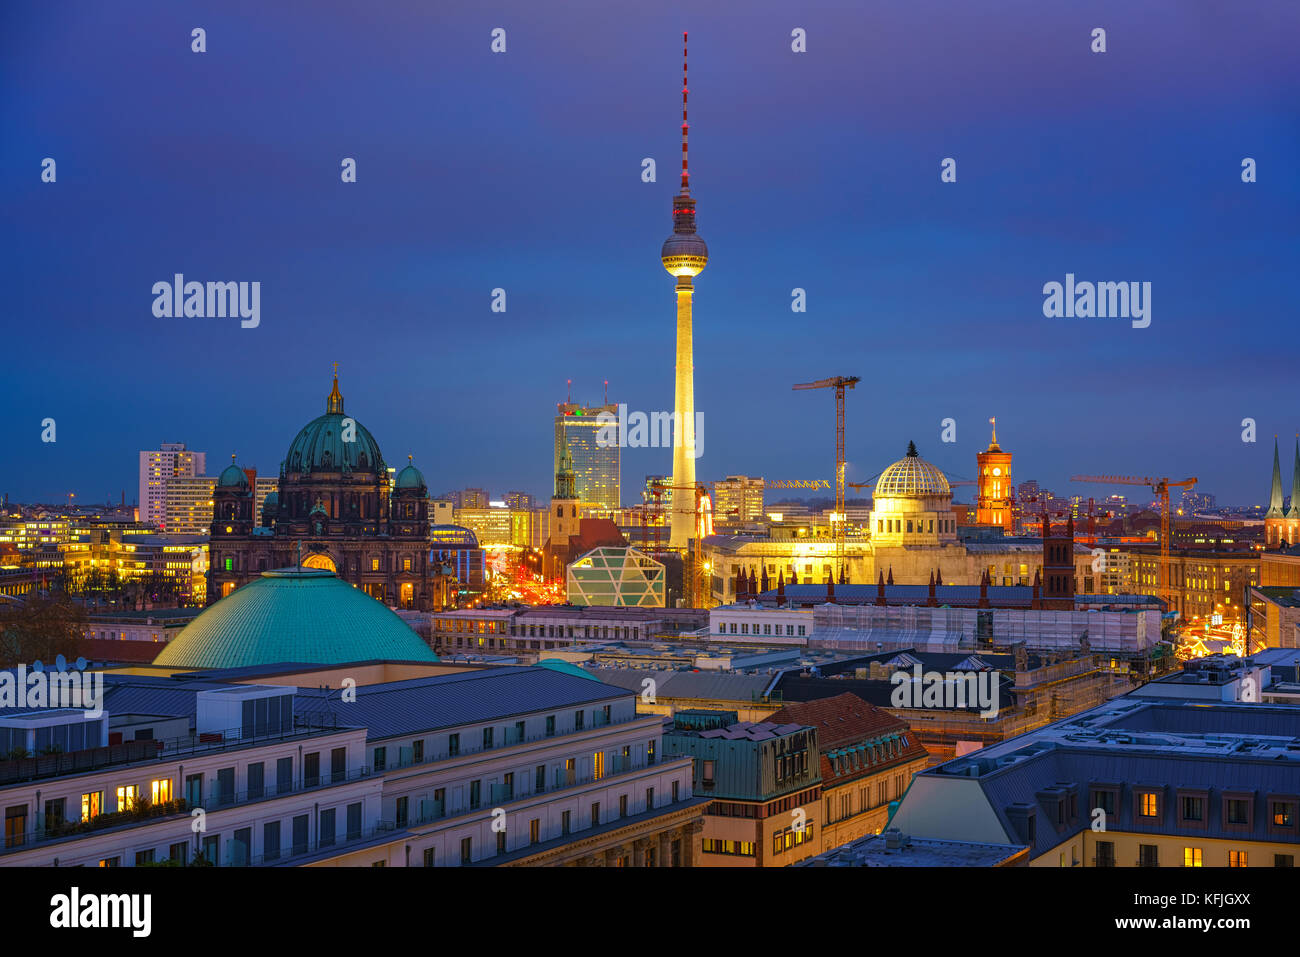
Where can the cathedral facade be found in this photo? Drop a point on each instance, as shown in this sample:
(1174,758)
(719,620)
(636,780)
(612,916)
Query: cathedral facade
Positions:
(336,508)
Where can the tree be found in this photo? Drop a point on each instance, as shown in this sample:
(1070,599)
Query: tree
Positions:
(39,629)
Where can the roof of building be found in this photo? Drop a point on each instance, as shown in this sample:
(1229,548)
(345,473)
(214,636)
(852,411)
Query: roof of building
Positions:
(911,476)
(1131,742)
(294,614)
(320,445)
(446,701)
(701,685)
(874,851)
(844,721)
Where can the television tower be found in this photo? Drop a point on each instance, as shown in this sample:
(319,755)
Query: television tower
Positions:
(684,255)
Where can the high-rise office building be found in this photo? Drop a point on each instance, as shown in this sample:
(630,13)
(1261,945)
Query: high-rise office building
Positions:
(187,504)
(738,499)
(594,444)
(171,460)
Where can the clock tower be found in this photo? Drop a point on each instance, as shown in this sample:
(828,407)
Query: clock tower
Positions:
(993,501)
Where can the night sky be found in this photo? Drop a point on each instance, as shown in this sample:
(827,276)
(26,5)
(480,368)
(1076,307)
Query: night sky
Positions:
(522,170)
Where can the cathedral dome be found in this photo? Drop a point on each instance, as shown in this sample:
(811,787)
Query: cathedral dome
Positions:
(320,445)
(410,477)
(911,476)
(232,477)
(301,615)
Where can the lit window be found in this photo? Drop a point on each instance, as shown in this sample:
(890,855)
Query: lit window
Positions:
(1191,857)
(1236,858)
(161,790)
(92,805)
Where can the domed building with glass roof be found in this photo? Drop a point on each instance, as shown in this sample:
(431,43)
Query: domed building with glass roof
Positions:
(336,508)
(293,615)
(912,504)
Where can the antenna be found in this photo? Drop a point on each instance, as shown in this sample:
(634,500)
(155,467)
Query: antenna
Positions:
(686,176)
(606,392)
(568,394)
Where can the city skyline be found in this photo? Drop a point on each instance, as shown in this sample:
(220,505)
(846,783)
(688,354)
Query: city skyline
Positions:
(393,274)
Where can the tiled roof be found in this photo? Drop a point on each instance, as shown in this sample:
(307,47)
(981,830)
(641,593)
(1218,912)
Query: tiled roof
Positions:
(844,721)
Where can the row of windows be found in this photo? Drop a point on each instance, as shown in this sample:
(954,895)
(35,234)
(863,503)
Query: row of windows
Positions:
(535,835)
(767,626)
(1149,856)
(509,734)
(736,848)
(791,837)
(922,526)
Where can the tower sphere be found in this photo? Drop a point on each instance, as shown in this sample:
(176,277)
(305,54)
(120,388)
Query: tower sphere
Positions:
(684,254)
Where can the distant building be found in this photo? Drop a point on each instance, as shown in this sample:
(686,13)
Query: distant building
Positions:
(1282,524)
(738,499)
(616,575)
(187,505)
(595,456)
(337,507)
(157,468)
(993,496)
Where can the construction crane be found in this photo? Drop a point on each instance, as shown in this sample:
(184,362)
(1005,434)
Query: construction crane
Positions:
(1161,487)
(839,384)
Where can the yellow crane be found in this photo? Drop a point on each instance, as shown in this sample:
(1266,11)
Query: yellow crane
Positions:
(1161,487)
(839,383)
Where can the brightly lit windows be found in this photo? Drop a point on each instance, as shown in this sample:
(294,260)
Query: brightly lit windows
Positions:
(160,791)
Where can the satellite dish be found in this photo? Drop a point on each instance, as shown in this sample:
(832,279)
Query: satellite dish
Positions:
(61,663)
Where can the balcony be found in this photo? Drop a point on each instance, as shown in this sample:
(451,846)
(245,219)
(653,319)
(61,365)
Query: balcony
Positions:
(88,760)
(145,813)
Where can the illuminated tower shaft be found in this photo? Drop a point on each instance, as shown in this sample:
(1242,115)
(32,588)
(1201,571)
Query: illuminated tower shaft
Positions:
(683,524)
(684,255)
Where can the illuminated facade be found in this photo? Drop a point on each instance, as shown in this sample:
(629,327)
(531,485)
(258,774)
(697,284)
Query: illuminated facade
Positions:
(187,504)
(993,504)
(337,507)
(738,499)
(612,575)
(597,465)
(157,469)
(912,504)
(684,255)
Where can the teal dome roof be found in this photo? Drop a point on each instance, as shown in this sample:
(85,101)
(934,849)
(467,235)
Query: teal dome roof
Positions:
(232,477)
(410,477)
(565,668)
(319,446)
(300,615)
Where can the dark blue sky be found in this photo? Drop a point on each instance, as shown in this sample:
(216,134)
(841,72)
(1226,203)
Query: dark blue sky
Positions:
(817,170)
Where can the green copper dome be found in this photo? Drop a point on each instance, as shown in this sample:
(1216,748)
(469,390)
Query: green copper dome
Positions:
(410,477)
(321,447)
(232,477)
(305,615)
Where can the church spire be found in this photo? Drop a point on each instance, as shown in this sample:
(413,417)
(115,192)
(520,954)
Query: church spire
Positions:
(1295,483)
(565,481)
(1275,495)
(335,401)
